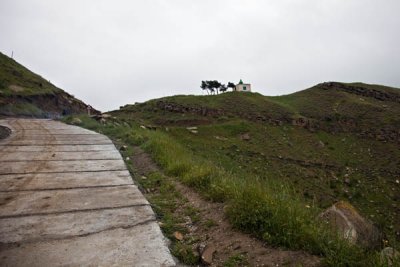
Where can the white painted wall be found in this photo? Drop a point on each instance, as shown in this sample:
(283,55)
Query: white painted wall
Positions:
(243,87)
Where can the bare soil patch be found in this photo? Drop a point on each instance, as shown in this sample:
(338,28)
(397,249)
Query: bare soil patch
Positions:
(143,163)
(16,88)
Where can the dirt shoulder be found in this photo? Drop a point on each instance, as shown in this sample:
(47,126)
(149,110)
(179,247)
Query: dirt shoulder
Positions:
(198,229)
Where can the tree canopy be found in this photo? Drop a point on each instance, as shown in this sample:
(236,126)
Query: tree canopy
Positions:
(214,86)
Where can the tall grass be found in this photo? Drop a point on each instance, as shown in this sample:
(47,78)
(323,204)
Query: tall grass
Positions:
(269,209)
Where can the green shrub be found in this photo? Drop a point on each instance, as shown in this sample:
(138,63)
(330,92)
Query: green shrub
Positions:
(274,214)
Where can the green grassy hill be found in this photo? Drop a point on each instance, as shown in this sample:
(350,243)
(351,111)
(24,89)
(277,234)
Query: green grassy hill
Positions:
(277,162)
(24,93)
(368,110)
(330,142)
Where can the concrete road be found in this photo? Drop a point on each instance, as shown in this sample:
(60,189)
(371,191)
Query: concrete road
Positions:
(67,199)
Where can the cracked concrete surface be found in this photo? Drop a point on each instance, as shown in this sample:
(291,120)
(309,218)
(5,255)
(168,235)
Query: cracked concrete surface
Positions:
(67,199)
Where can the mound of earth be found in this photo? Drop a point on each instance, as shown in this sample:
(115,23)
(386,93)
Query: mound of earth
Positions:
(24,93)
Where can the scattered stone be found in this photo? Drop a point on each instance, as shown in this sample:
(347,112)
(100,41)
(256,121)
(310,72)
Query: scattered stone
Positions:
(237,247)
(347,181)
(397,181)
(193,129)
(201,247)
(127,158)
(388,256)
(143,177)
(178,235)
(343,217)
(321,144)
(76,121)
(102,118)
(188,221)
(143,127)
(245,137)
(207,254)
(220,138)
(123,148)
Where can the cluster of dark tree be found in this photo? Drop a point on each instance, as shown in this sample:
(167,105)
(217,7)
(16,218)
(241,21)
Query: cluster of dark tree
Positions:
(214,87)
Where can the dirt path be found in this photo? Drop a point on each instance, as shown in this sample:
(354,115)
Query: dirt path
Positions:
(66,198)
(212,228)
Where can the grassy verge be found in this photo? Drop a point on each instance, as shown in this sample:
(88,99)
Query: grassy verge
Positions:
(165,200)
(267,209)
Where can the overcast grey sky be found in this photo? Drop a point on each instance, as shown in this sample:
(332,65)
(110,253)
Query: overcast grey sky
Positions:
(110,53)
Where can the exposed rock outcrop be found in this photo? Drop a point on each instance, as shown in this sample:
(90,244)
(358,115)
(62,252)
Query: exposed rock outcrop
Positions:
(48,105)
(24,93)
(389,256)
(178,108)
(344,218)
(362,91)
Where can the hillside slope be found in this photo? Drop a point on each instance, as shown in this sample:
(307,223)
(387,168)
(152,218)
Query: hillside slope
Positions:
(334,141)
(370,111)
(24,93)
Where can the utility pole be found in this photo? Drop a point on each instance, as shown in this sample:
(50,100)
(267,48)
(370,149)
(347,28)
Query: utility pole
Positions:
(12,54)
